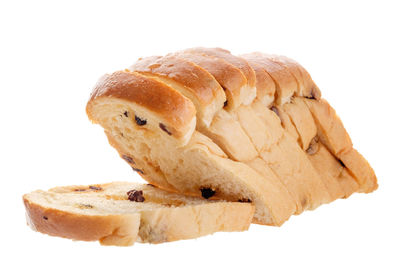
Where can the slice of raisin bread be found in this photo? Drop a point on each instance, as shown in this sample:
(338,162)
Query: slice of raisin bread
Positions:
(204,122)
(121,213)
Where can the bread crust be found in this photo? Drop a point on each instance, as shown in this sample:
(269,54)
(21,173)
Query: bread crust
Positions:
(306,86)
(285,83)
(238,62)
(264,84)
(105,228)
(162,100)
(229,77)
(192,81)
(205,87)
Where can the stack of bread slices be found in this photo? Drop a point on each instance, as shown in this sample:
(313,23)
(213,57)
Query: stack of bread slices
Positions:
(245,138)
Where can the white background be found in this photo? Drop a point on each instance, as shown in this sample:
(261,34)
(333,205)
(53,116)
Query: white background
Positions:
(53,52)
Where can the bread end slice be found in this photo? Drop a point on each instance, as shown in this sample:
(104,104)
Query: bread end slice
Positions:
(110,214)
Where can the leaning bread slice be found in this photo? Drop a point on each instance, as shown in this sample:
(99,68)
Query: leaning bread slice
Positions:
(121,213)
(335,137)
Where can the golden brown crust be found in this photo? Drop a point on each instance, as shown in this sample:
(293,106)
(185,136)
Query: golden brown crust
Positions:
(229,77)
(153,95)
(264,84)
(82,227)
(285,83)
(306,86)
(190,80)
(238,62)
(194,78)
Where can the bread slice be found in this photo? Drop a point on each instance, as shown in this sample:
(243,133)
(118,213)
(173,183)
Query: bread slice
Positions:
(121,213)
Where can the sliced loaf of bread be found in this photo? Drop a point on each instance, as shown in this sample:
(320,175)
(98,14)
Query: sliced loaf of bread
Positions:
(253,128)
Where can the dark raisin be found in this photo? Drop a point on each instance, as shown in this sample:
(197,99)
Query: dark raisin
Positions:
(246,200)
(135,195)
(126,114)
(341,163)
(97,188)
(87,206)
(312,95)
(137,170)
(80,189)
(164,128)
(225,103)
(45,217)
(140,121)
(128,159)
(313,147)
(207,192)
(274,109)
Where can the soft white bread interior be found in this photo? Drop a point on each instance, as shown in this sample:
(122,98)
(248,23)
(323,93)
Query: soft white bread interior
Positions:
(121,213)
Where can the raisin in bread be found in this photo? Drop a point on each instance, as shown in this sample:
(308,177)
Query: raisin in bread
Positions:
(204,122)
(121,213)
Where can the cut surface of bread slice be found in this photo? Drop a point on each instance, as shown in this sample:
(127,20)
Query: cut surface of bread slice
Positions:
(121,213)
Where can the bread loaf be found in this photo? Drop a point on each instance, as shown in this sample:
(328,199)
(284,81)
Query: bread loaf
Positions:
(121,213)
(253,128)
